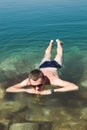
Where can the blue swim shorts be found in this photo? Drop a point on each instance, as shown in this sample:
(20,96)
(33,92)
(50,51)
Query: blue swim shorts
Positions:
(52,63)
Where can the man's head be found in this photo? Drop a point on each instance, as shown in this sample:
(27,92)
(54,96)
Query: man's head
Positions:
(36,78)
(36,74)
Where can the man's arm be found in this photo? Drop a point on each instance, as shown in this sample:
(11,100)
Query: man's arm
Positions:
(18,87)
(65,86)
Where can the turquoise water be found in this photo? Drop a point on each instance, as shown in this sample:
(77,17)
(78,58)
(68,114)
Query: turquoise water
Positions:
(26,27)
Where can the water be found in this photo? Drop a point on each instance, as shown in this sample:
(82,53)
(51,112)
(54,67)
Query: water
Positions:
(26,27)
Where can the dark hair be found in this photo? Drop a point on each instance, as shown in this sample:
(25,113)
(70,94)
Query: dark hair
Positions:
(36,74)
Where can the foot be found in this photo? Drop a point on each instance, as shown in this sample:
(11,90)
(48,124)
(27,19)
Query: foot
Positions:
(59,41)
(51,43)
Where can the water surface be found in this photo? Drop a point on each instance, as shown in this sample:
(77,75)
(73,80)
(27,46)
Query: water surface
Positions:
(26,27)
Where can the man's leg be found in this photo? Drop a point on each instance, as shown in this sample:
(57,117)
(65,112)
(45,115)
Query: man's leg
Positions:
(48,51)
(59,55)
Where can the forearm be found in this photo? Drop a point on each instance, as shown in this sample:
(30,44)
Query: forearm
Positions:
(15,90)
(66,89)
(46,92)
(65,86)
(19,87)
(62,89)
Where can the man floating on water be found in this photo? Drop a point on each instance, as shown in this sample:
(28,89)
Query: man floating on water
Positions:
(47,74)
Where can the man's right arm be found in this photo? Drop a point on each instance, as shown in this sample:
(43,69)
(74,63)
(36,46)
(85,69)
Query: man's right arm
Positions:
(18,87)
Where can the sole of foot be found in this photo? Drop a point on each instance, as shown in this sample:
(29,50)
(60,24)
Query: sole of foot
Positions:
(59,41)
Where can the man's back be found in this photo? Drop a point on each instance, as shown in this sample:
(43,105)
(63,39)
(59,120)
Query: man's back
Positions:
(51,74)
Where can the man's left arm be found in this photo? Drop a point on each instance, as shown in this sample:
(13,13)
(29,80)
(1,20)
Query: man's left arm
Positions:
(65,86)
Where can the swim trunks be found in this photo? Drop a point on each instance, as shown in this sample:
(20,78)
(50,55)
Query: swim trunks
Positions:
(52,63)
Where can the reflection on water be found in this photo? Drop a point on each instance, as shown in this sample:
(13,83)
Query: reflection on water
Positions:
(62,111)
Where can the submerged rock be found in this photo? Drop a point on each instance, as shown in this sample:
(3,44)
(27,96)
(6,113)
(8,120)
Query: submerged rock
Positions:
(2,91)
(84,113)
(2,126)
(32,126)
(84,83)
(11,106)
(24,126)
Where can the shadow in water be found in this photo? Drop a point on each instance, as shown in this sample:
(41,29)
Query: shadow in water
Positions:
(74,68)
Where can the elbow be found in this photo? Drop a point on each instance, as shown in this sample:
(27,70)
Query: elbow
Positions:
(9,90)
(76,87)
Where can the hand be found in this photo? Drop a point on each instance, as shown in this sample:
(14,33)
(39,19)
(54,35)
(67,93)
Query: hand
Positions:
(32,91)
(45,92)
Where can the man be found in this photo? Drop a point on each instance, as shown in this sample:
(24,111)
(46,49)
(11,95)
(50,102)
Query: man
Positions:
(46,75)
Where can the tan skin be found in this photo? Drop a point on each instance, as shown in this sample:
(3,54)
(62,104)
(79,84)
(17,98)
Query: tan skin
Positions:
(51,78)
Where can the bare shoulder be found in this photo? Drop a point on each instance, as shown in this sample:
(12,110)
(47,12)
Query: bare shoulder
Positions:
(58,81)
(25,82)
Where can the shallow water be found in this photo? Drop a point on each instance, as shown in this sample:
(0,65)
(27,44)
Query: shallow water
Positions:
(25,31)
